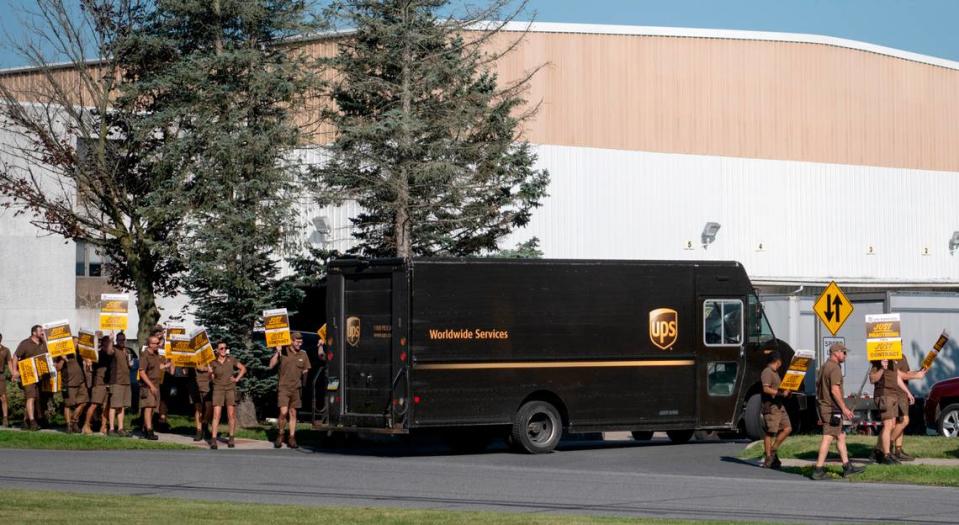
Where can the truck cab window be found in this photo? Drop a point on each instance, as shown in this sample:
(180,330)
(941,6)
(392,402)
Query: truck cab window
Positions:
(723,322)
(759,329)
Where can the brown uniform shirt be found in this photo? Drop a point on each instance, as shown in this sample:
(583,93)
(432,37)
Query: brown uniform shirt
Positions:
(4,359)
(223,373)
(202,379)
(101,369)
(27,349)
(830,374)
(150,367)
(887,385)
(770,378)
(120,366)
(903,366)
(292,365)
(73,373)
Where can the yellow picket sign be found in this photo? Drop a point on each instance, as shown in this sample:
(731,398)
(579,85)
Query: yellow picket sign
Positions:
(883,337)
(114,311)
(797,370)
(59,338)
(87,346)
(936,348)
(277,325)
(28,372)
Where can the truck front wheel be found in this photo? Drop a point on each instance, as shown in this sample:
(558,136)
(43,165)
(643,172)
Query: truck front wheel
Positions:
(753,417)
(537,427)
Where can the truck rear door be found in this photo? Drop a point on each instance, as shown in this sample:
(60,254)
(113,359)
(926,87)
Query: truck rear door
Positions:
(363,317)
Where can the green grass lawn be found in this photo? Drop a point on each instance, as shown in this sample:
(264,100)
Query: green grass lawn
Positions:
(61,441)
(20,506)
(807,447)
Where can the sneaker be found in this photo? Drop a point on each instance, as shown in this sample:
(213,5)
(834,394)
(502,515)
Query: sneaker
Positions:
(777,464)
(767,462)
(32,425)
(213,445)
(877,455)
(292,442)
(889,459)
(901,455)
(231,443)
(819,473)
(198,436)
(849,469)
(151,435)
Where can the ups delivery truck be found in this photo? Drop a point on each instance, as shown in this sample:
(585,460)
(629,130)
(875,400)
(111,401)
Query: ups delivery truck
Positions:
(528,349)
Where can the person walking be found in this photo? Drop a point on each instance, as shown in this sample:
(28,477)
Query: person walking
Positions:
(151,367)
(225,373)
(775,416)
(119,381)
(201,396)
(887,384)
(294,365)
(28,348)
(99,387)
(77,394)
(905,400)
(832,411)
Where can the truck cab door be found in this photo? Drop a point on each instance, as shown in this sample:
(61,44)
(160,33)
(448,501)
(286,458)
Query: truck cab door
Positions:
(720,359)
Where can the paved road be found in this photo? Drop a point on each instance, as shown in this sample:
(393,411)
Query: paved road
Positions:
(697,480)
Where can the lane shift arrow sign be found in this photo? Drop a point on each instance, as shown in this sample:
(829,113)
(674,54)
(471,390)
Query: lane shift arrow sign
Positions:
(838,303)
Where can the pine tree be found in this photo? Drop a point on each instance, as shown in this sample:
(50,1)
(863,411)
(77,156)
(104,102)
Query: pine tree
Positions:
(426,138)
(229,73)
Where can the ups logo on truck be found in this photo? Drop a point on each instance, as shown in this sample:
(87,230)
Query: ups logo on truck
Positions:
(353,330)
(663,327)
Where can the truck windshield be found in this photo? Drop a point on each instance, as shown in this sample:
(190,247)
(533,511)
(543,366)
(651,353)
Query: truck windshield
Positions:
(759,329)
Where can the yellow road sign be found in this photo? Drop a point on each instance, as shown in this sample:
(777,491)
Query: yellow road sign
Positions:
(833,308)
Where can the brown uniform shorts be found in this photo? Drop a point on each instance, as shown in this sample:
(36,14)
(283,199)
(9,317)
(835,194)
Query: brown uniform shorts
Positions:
(120,396)
(198,396)
(224,398)
(777,420)
(828,429)
(99,395)
(147,399)
(890,407)
(76,395)
(288,398)
(31,391)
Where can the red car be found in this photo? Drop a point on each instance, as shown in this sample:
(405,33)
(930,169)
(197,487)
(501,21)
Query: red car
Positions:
(942,407)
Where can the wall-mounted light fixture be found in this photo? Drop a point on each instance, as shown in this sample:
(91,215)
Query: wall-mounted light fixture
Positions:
(954,243)
(709,233)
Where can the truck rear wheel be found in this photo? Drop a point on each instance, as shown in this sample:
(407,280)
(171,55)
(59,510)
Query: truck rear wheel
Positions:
(753,417)
(537,427)
(679,436)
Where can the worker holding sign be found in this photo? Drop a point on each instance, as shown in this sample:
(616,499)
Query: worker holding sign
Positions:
(6,361)
(887,383)
(27,350)
(152,365)
(775,417)
(902,421)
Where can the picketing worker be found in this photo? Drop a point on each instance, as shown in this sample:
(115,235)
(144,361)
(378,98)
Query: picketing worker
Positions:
(6,361)
(100,387)
(201,396)
(77,395)
(898,433)
(225,373)
(151,367)
(775,416)
(294,365)
(832,411)
(887,385)
(119,381)
(164,386)
(28,348)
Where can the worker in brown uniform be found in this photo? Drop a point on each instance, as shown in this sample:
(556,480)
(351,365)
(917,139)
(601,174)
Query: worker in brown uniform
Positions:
(225,373)
(99,387)
(31,347)
(152,365)
(898,433)
(832,411)
(120,392)
(887,385)
(294,365)
(201,396)
(775,417)
(6,361)
(77,395)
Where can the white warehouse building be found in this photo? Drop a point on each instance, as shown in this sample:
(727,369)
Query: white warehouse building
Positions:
(808,159)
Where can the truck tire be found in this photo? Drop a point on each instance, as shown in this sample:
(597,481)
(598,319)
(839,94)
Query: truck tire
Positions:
(537,428)
(679,436)
(642,435)
(753,417)
(948,424)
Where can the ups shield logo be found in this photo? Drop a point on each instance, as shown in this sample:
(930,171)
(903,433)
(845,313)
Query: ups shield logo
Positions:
(353,330)
(663,327)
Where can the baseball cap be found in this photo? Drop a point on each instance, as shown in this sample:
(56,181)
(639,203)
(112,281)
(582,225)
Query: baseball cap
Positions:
(837,347)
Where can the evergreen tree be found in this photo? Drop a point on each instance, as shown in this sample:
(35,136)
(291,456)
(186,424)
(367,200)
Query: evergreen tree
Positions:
(230,75)
(426,138)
